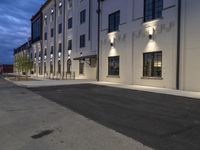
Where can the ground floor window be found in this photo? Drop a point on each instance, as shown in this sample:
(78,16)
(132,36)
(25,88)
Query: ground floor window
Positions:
(59,67)
(69,62)
(34,68)
(113,65)
(81,67)
(45,67)
(152,64)
(51,67)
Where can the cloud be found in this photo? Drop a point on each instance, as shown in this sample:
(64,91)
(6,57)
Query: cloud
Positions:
(15,25)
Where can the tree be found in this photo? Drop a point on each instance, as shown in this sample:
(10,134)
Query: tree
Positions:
(23,64)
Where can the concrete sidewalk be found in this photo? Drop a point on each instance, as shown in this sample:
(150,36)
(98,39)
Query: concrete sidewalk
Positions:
(48,82)
(31,122)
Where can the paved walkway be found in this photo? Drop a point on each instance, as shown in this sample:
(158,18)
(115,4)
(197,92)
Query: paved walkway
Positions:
(31,122)
(47,82)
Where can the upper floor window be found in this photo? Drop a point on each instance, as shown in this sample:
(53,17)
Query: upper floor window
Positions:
(82,41)
(59,28)
(152,64)
(82,16)
(70,3)
(69,44)
(60,47)
(70,23)
(114,21)
(51,32)
(152,9)
(45,36)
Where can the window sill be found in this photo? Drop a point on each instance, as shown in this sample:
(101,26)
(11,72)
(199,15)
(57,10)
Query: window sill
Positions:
(113,76)
(152,78)
(112,32)
(151,21)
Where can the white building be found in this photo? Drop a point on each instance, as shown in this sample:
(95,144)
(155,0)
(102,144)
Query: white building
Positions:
(140,43)
(69,38)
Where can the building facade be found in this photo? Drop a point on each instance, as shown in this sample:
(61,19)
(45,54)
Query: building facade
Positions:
(23,50)
(36,45)
(150,43)
(69,39)
(140,42)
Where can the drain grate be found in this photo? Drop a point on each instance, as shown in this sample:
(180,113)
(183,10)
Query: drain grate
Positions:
(42,134)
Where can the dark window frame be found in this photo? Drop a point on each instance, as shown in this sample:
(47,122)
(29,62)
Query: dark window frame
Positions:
(83,16)
(82,41)
(114,21)
(153,71)
(112,70)
(70,23)
(152,9)
(69,44)
(60,28)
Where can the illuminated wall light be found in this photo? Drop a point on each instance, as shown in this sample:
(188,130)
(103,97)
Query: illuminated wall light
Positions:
(52,10)
(60,4)
(151,32)
(69,57)
(69,52)
(51,55)
(59,54)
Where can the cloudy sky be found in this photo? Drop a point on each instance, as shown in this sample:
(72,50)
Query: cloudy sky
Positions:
(15,25)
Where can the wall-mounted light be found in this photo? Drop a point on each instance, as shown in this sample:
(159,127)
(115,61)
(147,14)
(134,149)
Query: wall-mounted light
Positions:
(45,17)
(69,52)
(69,57)
(60,4)
(51,55)
(81,54)
(59,54)
(151,32)
(45,57)
(52,10)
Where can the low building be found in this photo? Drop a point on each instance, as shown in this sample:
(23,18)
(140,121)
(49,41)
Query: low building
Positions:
(6,68)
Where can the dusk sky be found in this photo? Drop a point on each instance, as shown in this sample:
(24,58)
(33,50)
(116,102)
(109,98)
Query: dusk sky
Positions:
(15,26)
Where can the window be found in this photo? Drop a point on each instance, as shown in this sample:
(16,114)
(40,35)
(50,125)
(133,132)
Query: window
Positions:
(52,49)
(113,66)
(69,44)
(60,28)
(82,41)
(152,9)
(81,67)
(70,23)
(45,67)
(59,67)
(114,21)
(51,32)
(51,67)
(70,3)
(69,63)
(82,16)
(45,36)
(152,64)
(60,47)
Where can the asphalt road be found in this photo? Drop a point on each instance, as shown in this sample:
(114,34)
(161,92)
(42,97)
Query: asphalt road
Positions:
(31,122)
(159,121)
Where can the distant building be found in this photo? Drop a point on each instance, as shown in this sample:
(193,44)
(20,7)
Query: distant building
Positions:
(24,49)
(5,68)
